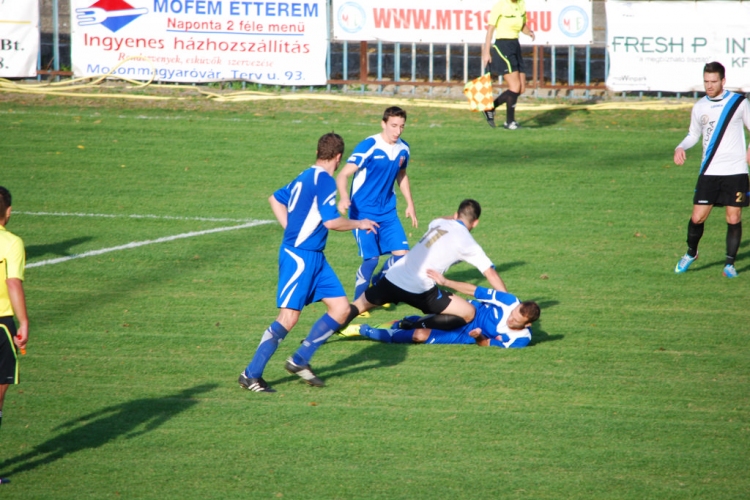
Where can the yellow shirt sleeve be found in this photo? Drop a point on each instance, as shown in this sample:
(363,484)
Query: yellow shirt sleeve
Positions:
(16,260)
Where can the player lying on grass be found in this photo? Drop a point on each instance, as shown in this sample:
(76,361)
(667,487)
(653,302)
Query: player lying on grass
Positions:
(501,320)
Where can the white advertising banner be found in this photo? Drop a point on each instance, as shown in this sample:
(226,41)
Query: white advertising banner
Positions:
(19,38)
(275,43)
(662,46)
(554,22)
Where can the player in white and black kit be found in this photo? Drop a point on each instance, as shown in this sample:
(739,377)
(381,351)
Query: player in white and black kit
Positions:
(723,179)
(446,242)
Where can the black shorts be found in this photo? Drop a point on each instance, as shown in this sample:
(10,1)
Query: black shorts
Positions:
(8,353)
(506,57)
(433,301)
(722,190)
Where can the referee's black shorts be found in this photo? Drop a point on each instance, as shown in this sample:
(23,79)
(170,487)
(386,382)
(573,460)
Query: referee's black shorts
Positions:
(8,353)
(722,190)
(433,301)
(506,57)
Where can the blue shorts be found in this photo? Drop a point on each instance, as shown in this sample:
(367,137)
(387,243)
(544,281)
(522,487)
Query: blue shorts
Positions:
(305,277)
(390,237)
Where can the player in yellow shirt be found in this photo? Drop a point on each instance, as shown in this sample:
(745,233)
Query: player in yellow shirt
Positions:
(507,19)
(12,300)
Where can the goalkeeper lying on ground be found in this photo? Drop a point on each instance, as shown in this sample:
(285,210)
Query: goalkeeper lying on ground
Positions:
(501,321)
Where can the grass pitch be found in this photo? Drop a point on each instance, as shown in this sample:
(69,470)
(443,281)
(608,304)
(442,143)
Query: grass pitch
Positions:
(636,385)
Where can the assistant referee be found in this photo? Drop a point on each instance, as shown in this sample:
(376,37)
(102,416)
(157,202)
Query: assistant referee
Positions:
(507,19)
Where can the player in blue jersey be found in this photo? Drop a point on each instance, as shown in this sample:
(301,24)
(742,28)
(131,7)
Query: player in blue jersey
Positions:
(376,163)
(306,209)
(501,320)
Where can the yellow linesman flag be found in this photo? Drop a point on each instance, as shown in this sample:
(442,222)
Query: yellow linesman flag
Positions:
(479,93)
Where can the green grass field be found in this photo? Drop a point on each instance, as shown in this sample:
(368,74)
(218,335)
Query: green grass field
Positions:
(636,385)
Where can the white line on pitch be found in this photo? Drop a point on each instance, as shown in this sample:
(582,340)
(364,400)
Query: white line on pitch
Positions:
(135,216)
(136,244)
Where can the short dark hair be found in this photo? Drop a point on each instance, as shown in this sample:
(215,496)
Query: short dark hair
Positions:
(330,145)
(530,310)
(394,111)
(5,200)
(714,67)
(470,210)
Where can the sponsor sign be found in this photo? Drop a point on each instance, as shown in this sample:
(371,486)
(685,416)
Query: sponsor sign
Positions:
(276,43)
(662,46)
(554,22)
(19,38)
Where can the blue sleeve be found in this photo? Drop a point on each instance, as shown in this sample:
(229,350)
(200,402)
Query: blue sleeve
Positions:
(360,153)
(282,195)
(326,193)
(496,296)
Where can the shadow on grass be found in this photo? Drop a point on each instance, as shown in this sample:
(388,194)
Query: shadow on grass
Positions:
(61,249)
(376,355)
(552,117)
(130,419)
(538,335)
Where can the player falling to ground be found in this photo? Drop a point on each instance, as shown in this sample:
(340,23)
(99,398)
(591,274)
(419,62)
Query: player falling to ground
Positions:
(12,300)
(723,178)
(447,241)
(376,163)
(501,321)
(306,209)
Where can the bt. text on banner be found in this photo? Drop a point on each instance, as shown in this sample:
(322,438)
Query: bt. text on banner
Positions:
(19,38)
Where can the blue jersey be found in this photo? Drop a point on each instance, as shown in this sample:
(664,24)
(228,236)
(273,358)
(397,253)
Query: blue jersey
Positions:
(493,308)
(310,201)
(372,192)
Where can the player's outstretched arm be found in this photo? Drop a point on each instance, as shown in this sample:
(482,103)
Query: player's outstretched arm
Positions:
(344,224)
(342,184)
(459,286)
(495,280)
(405,187)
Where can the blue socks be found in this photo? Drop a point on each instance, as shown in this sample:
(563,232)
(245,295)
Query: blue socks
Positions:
(319,333)
(364,275)
(395,336)
(271,339)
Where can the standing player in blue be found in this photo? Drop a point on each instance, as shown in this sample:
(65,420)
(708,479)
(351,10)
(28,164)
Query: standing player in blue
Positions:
(306,209)
(376,163)
(501,321)
(723,178)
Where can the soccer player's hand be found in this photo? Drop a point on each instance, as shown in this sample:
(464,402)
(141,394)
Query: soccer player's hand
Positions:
(344,206)
(412,214)
(480,339)
(368,225)
(436,276)
(679,156)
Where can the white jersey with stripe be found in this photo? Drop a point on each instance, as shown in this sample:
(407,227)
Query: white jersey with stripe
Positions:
(446,242)
(724,151)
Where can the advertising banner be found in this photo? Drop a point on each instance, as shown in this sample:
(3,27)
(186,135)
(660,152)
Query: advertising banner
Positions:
(19,38)
(275,43)
(554,22)
(662,46)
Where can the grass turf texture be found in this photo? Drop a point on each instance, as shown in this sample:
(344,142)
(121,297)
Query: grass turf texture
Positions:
(635,386)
